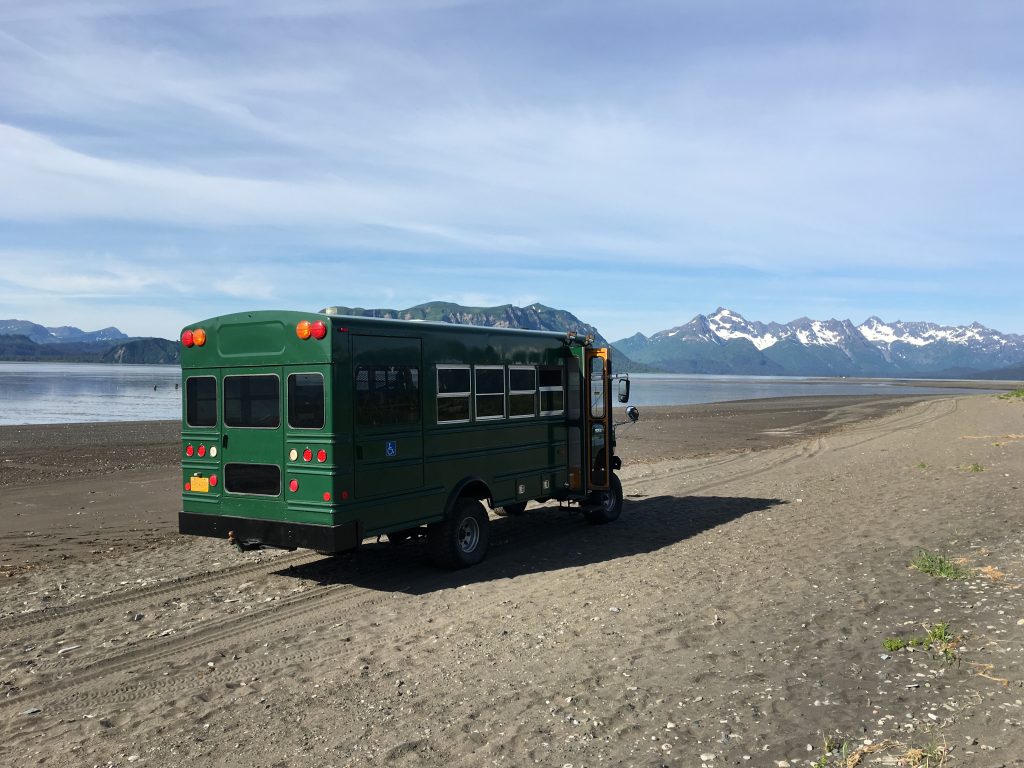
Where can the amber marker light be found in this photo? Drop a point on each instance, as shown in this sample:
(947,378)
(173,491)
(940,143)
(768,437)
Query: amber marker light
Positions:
(199,337)
(304,329)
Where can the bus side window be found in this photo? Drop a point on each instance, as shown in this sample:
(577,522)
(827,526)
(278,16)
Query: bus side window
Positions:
(453,393)
(552,390)
(522,391)
(306,401)
(201,401)
(387,395)
(490,392)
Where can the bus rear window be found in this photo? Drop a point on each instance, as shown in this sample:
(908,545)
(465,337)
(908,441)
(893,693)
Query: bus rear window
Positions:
(201,401)
(306,401)
(253,479)
(252,401)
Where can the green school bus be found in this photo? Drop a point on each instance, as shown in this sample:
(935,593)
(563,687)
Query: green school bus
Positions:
(317,431)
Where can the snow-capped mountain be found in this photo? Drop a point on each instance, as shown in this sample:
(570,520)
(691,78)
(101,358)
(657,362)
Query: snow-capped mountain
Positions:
(726,342)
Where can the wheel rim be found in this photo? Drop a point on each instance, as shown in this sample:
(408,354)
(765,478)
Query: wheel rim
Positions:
(469,534)
(609,502)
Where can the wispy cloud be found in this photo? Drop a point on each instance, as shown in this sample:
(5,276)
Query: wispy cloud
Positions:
(525,143)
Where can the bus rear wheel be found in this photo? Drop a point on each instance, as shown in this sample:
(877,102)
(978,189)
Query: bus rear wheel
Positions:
(461,539)
(607,505)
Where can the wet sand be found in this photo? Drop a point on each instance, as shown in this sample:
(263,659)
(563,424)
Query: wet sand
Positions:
(734,615)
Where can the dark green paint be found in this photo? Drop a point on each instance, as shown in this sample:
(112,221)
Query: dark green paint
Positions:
(506,460)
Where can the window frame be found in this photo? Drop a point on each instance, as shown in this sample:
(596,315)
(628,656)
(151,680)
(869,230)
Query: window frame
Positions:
(541,389)
(521,392)
(216,402)
(477,394)
(323,398)
(468,395)
(224,395)
(229,472)
(373,368)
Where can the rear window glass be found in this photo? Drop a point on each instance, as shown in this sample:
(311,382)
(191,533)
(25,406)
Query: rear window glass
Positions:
(253,479)
(201,401)
(306,401)
(252,401)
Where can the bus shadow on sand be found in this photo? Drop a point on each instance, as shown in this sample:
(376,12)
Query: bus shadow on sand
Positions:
(545,539)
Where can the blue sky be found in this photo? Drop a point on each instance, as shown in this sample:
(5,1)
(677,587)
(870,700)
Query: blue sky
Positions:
(633,162)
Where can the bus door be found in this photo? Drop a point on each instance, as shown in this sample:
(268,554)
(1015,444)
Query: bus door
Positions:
(598,419)
(252,446)
(387,421)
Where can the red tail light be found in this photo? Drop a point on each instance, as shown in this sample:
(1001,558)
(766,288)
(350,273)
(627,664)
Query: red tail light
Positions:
(213,481)
(321,455)
(327,496)
(307,455)
(293,486)
(201,451)
(189,450)
(187,338)
(318,329)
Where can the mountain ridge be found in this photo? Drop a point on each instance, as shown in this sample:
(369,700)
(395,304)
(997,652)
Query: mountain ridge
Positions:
(808,347)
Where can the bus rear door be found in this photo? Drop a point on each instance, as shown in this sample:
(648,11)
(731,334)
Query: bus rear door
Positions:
(252,445)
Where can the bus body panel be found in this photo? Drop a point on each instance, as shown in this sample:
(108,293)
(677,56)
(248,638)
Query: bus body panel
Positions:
(377,425)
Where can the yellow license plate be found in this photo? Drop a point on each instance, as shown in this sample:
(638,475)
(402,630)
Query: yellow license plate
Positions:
(200,484)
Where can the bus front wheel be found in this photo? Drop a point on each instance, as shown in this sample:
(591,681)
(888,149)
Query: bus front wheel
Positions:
(607,505)
(461,539)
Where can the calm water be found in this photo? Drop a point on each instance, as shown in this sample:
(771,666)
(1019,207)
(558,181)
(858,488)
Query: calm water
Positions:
(55,393)
(58,393)
(682,389)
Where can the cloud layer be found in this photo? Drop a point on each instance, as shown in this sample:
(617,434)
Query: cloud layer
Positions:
(633,162)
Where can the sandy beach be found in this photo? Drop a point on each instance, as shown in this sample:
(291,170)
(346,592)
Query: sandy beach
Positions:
(736,614)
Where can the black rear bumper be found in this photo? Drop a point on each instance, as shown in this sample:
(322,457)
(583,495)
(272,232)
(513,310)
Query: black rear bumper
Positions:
(272,533)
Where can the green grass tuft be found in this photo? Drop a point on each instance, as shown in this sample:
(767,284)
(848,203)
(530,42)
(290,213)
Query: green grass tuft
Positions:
(894,643)
(937,565)
(938,639)
(1015,394)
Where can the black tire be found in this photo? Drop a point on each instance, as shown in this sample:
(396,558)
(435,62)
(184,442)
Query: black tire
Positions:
(607,505)
(461,539)
(511,510)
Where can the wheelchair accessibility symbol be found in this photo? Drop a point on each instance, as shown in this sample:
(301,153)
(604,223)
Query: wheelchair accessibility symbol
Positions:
(391,448)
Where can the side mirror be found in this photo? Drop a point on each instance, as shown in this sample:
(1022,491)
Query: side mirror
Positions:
(623,390)
(633,414)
